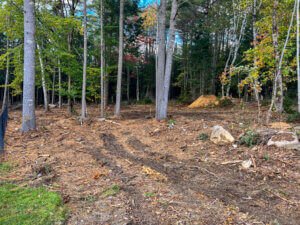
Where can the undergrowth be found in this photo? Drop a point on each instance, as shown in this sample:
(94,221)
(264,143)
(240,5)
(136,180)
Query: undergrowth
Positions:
(249,139)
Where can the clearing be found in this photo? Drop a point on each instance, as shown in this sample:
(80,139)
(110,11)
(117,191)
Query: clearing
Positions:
(139,171)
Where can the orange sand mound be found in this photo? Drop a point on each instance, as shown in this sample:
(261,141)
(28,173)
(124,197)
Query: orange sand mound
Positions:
(204,101)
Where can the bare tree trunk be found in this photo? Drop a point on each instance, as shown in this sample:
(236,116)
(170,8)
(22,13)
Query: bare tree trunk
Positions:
(279,64)
(83,97)
(128,85)
(102,104)
(298,52)
(256,92)
(53,88)
(161,55)
(59,85)
(137,85)
(278,76)
(43,79)
(28,113)
(5,94)
(70,107)
(237,45)
(169,61)
(106,86)
(120,61)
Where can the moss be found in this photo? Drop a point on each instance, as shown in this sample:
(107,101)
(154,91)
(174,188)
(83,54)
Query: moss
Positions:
(30,206)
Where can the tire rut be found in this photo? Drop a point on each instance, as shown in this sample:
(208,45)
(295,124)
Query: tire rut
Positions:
(137,212)
(197,176)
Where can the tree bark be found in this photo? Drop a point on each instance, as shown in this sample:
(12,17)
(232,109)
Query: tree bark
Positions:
(46,108)
(161,55)
(120,60)
(169,61)
(128,85)
(70,106)
(277,96)
(278,87)
(28,111)
(83,97)
(298,52)
(255,83)
(5,93)
(59,85)
(137,85)
(102,104)
(53,88)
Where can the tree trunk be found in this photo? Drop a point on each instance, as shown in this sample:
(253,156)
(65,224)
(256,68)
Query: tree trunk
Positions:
(161,55)
(5,94)
(59,85)
(28,112)
(278,76)
(255,83)
(137,85)
(83,97)
(120,61)
(279,60)
(102,104)
(53,88)
(46,108)
(70,106)
(128,85)
(169,60)
(298,52)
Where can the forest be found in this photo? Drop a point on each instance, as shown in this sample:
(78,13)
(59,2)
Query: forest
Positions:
(150,112)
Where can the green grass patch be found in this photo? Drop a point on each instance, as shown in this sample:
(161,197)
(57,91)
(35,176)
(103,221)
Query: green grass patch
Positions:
(150,194)
(203,137)
(112,191)
(30,206)
(5,167)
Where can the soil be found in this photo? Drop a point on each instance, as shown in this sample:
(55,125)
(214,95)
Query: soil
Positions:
(165,173)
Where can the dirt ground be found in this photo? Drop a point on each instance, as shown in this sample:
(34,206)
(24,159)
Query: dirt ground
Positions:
(166,175)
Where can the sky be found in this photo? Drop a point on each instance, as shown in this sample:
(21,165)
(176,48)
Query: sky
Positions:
(144,3)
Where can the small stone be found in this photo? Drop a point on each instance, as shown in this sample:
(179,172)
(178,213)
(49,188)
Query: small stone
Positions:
(247,164)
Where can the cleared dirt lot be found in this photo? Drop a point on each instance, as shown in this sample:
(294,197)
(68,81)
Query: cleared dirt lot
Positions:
(136,170)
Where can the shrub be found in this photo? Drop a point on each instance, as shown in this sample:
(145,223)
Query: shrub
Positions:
(293,117)
(224,102)
(288,104)
(249,139)
(145,101)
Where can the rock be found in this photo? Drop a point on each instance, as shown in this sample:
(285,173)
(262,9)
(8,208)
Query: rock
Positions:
(52,106)
(221,136)
(247,164)
(280,126)
(265,135)
(297,130)
(293,147)
(284,139)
